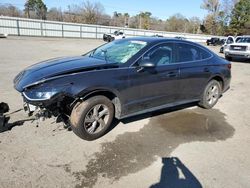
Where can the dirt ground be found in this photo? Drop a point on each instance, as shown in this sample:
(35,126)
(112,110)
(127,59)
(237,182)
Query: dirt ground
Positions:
(188,147)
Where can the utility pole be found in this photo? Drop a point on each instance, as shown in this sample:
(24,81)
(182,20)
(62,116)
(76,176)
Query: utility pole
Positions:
(140,20)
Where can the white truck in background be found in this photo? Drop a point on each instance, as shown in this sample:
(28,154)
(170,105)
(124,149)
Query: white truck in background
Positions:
(3,35)
(114,36)
(229,40)
(239,49)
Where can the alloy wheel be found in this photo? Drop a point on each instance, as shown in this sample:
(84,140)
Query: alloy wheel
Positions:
(212,94)
(96,119)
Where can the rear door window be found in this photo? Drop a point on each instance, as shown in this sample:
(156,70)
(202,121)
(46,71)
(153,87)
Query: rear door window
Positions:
(188,53)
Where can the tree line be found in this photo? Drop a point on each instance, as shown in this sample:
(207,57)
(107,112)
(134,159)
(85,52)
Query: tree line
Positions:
(224,17)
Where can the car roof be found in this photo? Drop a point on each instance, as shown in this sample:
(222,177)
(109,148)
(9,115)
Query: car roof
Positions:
(153,39)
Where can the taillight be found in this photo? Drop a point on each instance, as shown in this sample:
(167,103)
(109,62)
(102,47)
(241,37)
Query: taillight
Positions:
(229,66)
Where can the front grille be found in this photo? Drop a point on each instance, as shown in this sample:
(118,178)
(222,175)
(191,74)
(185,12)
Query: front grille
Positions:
(238,48)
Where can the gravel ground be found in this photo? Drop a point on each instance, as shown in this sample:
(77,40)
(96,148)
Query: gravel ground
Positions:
(188,147)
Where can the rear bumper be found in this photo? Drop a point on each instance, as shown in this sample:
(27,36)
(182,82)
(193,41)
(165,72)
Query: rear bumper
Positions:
(225,89)
(238,54)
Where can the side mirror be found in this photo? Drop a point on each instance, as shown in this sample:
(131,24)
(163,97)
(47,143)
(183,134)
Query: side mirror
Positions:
(145,64)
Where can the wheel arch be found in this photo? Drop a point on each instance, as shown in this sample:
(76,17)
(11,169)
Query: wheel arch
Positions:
(219,79)
(111,95)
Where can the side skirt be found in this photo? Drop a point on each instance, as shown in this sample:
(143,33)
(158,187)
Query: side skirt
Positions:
(159,108)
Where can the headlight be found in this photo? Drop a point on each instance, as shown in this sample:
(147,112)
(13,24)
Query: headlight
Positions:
(43,93)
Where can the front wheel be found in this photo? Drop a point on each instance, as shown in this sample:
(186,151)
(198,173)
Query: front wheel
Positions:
(92,118)
(211,94)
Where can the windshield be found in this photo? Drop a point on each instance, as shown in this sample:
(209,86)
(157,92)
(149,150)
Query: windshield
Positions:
(244,40)
(119,51)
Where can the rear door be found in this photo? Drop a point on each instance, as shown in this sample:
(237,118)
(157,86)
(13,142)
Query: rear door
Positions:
(194,70)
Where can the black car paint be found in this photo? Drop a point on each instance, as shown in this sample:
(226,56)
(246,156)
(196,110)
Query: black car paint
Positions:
(136,91)
(215,41)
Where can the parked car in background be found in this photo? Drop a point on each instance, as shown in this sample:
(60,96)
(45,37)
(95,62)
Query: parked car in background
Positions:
(214,41)
(3,35)
(157,35)
(181,38)
(239,49)
(116,35)
(222,45)
(124,78)
(229,40)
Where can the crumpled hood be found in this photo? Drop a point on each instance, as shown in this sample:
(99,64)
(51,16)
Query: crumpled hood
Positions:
(54,67)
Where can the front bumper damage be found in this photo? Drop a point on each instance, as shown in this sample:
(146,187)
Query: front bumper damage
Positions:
(55,107)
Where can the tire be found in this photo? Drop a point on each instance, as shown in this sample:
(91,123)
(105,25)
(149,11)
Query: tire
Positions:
(228,58)
(221,50)
(211,94)
(91,119)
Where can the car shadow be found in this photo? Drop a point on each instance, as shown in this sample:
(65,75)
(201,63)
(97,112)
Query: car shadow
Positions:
(131,152)
(175,174)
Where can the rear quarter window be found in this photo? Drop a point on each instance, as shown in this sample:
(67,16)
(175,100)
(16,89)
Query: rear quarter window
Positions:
(188,52)
(205,54)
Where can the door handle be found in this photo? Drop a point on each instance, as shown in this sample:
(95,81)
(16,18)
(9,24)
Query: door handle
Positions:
(172,74)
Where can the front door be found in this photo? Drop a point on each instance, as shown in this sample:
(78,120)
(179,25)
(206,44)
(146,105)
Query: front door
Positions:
(159,85)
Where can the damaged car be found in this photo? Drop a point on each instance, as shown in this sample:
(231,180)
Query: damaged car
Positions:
(114,36)
(121,79)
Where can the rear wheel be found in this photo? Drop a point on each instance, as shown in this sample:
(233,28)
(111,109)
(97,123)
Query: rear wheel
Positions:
(92,118)
(211,94)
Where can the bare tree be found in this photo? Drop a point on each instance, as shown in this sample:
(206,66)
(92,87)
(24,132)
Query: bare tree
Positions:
(144,20)
(126,19)
(105,19)
(157,24)
(72,14)
(10,10)
(92,12)
(55,14)
(177,23)
(213,7)
(193,25)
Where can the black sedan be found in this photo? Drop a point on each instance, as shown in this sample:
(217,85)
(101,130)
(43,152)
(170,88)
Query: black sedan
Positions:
(123,78)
